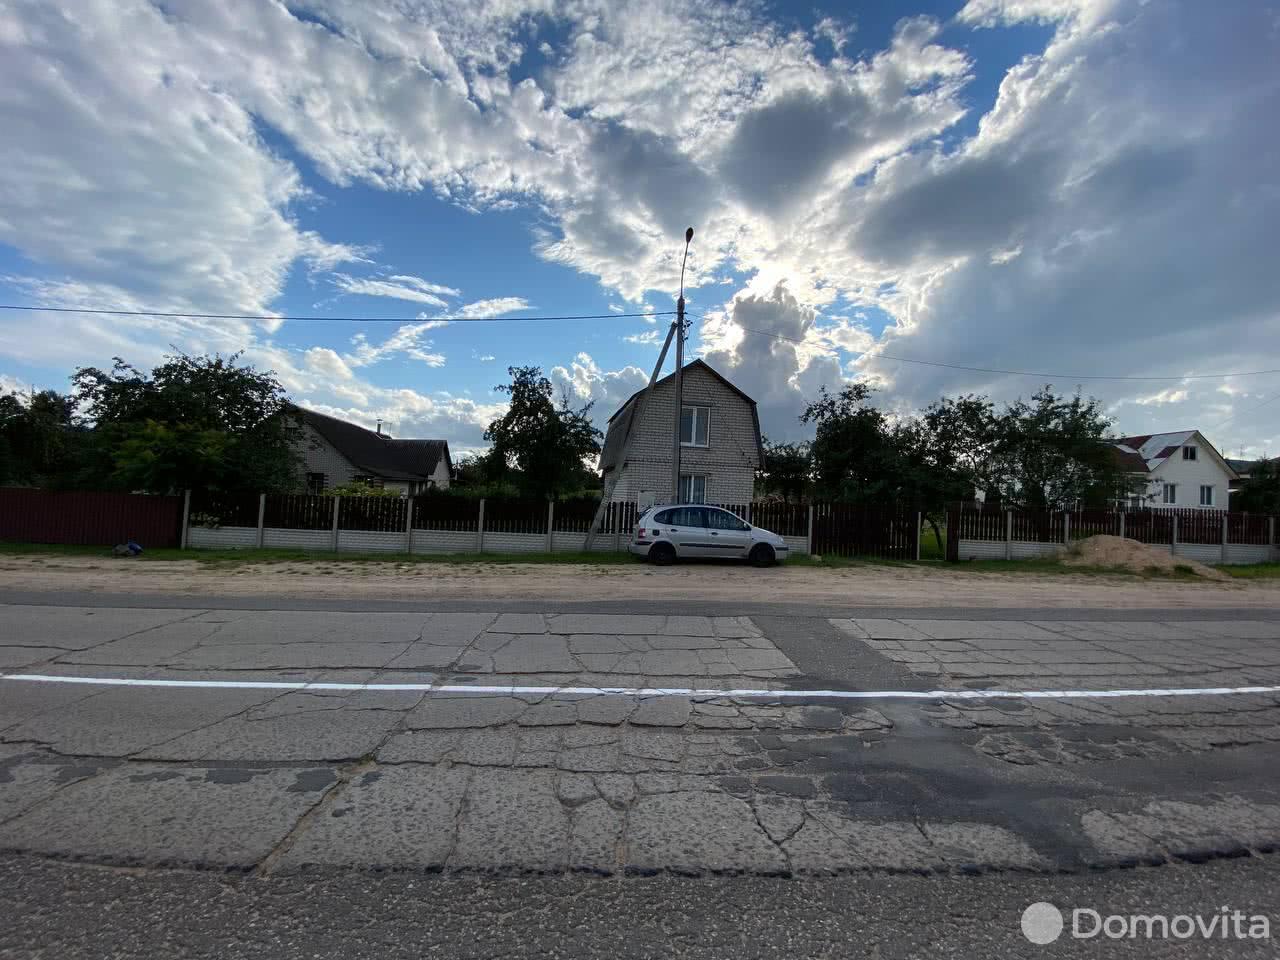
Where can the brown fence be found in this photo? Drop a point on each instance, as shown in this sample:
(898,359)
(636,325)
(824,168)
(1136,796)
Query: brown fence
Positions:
(1189,526)
(889,532)
(433,511)
(90,519)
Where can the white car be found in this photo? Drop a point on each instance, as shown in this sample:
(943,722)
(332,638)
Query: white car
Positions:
(665,534)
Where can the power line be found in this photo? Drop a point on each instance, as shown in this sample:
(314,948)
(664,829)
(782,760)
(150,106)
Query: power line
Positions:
(256,316)
(1020,373)
(1271,399)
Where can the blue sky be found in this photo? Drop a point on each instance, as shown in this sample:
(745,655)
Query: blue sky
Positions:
(1035,185)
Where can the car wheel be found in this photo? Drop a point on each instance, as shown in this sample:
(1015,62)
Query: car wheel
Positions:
(762,555)
(662,554)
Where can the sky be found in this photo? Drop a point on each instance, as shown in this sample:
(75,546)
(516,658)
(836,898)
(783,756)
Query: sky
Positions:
(1074,189)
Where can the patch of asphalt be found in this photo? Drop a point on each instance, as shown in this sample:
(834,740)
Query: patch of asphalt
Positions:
(76,912)
(683,607)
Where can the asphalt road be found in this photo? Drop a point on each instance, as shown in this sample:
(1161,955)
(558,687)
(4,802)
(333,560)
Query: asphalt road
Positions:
(343,778)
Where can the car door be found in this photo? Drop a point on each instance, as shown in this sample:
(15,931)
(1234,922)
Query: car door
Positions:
(686,528)
(729,534)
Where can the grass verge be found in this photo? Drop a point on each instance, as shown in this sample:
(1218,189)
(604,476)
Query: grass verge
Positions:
(1252,571)
(233,558)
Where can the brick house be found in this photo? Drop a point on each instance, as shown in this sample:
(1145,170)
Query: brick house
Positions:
(720,449)
(336,452)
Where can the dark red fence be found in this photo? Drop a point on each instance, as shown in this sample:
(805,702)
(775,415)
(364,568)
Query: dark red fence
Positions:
(216,509)
(889,532)
(380,514)
(298,511)
(434,511)
(515,516)
(969,522)
(90,519)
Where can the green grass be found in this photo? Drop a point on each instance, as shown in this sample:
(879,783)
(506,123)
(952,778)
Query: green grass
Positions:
(1252,571)
(231,558)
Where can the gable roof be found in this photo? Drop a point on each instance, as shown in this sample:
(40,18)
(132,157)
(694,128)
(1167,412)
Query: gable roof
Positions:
(377,454)
(1153,449)
(621,422)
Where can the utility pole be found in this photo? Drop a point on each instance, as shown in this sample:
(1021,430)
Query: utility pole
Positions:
(679,382)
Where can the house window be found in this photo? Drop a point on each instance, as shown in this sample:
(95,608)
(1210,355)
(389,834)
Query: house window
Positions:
(693,488)
(316,483)
(1188,453)
(368,480)
(1170,493)
(1206,496)
(694,424)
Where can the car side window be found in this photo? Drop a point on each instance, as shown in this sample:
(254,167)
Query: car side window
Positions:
(691,517)
(666,516)
(724,520)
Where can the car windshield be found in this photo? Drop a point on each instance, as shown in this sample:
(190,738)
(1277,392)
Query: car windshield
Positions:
(639,479)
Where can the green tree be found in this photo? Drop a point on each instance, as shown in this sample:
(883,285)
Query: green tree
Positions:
(1261,492)
(42,442)
(208,423)
(787,471)
(855,456)
(542,448)
(1052,452)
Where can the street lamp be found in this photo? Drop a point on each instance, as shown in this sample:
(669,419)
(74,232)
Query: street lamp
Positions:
(675,451)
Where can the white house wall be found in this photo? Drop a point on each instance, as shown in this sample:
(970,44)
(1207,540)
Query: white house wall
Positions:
(1189,475)
(729,460)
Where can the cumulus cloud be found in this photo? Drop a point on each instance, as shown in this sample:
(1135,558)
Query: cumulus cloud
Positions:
(584,382)
(1114,210)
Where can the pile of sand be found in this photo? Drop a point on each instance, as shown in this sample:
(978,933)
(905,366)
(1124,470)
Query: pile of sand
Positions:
(1108,551)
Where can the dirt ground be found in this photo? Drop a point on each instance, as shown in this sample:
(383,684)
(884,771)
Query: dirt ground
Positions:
(863,585)
(1107,551)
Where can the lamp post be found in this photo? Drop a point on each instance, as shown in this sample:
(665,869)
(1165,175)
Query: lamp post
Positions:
(679,384)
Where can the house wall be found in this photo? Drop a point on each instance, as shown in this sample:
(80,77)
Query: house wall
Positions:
(441,475)
(1189,475)
(729,460)
(320,456)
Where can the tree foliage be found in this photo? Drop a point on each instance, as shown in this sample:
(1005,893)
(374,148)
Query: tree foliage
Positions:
(1051,453)
(208,423)
(787,471)
(42,440)
(1261,492)
(1046,453)
(538,446)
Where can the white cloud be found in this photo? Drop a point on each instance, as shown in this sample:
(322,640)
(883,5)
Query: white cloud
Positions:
(414,289)
(1114,211)
(494,307)
(1161,397)
(586,382)
(647,337)
(407,340)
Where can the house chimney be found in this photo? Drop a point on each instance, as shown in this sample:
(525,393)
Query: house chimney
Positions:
(378,429)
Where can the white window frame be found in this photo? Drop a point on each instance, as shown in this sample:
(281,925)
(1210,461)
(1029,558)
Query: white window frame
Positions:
(693,425)
(688,482)
(1170,494)
(1203,488)
(1188,453)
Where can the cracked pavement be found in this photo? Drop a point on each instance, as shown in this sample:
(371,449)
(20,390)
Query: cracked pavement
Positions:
(282,782)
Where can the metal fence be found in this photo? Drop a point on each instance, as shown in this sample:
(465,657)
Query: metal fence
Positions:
(1187,528)
(89,518)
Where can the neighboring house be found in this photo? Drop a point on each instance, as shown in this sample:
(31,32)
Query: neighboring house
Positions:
(720,448)
(1176,470)
(338,453)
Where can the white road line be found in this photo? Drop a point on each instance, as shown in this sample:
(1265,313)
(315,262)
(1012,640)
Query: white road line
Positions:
(695,692)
